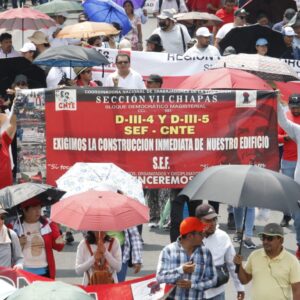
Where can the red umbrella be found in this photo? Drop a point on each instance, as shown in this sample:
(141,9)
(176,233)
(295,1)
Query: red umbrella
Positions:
(99,211)
(224,79)
(24,19)
(288,88)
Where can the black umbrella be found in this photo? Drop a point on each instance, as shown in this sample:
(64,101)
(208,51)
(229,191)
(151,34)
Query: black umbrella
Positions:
(11,67)
(274,9)
(243,39)
(245,186)
(14,195)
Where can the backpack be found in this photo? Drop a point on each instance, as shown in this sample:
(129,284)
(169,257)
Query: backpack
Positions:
(161,1)
(101,273)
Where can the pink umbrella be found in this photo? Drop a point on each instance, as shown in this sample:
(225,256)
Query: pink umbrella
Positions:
(24,19)
(99,211)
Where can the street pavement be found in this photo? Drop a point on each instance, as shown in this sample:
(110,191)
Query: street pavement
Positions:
(155,240)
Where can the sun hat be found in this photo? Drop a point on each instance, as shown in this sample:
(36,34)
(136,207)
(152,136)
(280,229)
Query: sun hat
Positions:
(39,38)
(272,229)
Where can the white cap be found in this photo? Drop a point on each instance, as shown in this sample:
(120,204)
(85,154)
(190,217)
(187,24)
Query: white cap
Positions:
(28,47)
(203,31)
(288,31)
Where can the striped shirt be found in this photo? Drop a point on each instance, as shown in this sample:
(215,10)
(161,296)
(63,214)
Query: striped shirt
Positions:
(170,269)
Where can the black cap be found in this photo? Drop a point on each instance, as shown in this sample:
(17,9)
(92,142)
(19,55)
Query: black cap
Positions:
(155,78)
(289,13)
(154,39)
(205,211)
(294,100)
(20,78)
(240,11)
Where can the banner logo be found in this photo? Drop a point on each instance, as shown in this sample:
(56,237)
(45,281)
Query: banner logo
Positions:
(245,99)
(65,100)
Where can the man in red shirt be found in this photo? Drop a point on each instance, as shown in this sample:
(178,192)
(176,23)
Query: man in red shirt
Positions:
(210,6)
(289,157)
(6,137)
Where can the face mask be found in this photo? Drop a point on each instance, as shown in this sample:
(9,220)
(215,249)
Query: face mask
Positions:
(163,25)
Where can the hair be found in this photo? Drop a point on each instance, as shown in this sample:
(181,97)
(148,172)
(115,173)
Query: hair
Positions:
(92,40)
(122,55)
(229,1)
(5,36)
(91,238)
(261,16)
(117,26)
(131,4)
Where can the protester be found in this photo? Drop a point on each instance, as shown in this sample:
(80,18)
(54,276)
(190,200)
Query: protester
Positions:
(226,13)
(273,271)
(38,237)
(6,48)
(238,21)
(210,6)
(261,46)
(287,16)
(203,47)
(154,44)
(263,20)
(40,40)
(124,76)
(91,252)
(154,81)
(112,41)
(95,41)
(289,157)
(135,34)
(296,27)
(28,51)
(84,77)
(186,263)
(174,36)
(10,250)
(222,250)
(291,52)
(177,5)
(125,45)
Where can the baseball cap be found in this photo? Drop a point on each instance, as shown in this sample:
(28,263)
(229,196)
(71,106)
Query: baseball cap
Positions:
(191,224)
(288,31)
(261,42)
(240,11)
(288,14)
(203,31)
(272,229)
(20,78)
(155,78)
(28,47)
(206,212)
(167,14)
(294,100)
(2,210)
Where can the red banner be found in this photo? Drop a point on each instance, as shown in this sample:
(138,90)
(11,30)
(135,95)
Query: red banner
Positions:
(137,289)
(163,137)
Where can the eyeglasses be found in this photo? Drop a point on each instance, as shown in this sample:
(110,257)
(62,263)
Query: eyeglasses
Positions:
(269,238)
(122,62)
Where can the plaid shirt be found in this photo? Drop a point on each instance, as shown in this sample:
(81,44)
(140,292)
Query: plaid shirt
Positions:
(170,269)
(133,242)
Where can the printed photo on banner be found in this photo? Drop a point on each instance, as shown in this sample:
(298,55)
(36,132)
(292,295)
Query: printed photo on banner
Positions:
(246,98)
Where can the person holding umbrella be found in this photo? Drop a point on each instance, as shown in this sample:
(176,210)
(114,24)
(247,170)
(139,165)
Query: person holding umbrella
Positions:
(38,238)
(273,271)
(84,77)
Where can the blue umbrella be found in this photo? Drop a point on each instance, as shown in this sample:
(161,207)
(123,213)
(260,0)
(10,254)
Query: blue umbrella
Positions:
(107,11)
(136,3)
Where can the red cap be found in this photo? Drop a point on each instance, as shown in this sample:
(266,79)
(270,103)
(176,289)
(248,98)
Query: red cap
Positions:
(31,202)
(191,224)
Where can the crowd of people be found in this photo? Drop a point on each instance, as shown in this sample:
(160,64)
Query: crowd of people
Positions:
(202,257)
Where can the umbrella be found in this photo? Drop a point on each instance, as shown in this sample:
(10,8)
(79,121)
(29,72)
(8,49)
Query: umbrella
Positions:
(243,40)
(107,11)
(87,29)
(48,290)
(224,79)
(136,3)
(84,176)
(99,211)
(14,195)
(24,19)
(287,89)
(265,67)
(245,185)
(6,289)
(208,19)
(273,8)
(71,56)
(58,6)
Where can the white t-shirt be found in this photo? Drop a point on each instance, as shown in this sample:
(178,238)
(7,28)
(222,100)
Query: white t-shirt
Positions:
(55,75)
(169,4)
(208,51)
(172,40)
(132,81)
(224,30)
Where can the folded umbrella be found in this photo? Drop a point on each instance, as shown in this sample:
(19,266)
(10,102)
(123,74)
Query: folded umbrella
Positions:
(107,11)
(58,6)
(71,56)
(99,211)
(236,38)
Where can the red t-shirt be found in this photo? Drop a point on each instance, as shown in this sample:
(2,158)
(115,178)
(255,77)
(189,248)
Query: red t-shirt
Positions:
(226,17)
(201,5)
(6,177)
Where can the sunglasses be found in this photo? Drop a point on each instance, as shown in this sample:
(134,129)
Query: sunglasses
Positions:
(269,238)
(122,62)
